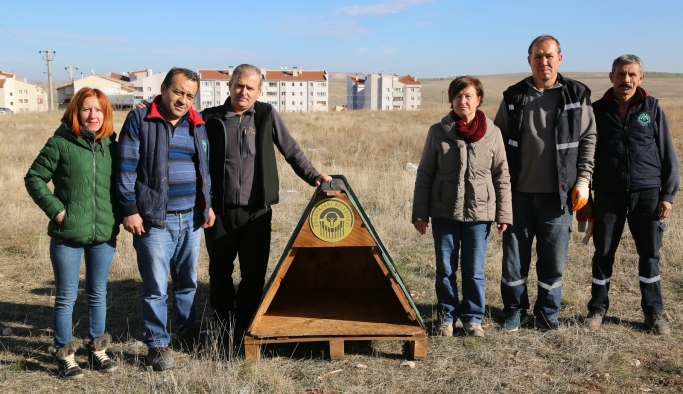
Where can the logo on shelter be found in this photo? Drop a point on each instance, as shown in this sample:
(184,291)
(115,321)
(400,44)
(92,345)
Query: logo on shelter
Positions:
(331,220)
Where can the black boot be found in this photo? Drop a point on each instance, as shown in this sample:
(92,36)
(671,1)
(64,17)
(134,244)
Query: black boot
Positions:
(68,368)
(97,355)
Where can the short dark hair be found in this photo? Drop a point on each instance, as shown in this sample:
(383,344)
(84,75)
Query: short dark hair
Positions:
(545,37)
(461,83)
(244,69)
(187,73)
(627,59)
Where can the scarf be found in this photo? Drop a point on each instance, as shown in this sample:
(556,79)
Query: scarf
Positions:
(475,131)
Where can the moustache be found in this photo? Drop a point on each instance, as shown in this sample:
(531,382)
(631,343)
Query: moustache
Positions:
(625,85)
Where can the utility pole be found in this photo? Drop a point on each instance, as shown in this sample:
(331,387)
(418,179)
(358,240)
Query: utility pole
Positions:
(442,92)
(49,76)
(71,72)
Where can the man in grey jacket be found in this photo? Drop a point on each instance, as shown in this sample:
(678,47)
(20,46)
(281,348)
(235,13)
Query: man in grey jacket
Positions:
(242,133)
(549,131)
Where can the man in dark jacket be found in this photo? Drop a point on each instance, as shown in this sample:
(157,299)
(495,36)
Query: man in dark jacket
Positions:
(636,177)
(549,132)
(242,135)
(163,187)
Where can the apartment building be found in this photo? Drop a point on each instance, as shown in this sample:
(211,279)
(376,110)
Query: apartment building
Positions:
(19,95)
(384,92)
(287,90)
(151,85)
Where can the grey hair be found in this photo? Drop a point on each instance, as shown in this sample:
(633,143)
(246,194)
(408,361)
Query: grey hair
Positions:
(246,69)
(627,59)
(544,37)
(189,74)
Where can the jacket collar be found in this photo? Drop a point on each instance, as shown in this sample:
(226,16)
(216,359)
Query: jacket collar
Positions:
(641,94)
(154,113)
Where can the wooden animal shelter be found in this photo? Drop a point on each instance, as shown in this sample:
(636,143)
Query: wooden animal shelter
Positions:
(335,282)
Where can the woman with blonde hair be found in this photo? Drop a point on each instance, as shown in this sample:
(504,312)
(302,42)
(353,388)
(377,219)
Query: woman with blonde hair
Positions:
(463,184)
(78,159)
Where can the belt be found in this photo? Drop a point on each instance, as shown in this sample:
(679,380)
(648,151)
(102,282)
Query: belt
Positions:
(184,211)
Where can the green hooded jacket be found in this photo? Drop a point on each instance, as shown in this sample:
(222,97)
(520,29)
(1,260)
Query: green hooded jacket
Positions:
(82,177)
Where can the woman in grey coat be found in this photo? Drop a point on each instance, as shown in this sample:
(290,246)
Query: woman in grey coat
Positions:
(463,184)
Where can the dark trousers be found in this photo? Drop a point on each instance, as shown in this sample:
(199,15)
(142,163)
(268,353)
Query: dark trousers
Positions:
(245,233)
(611,210)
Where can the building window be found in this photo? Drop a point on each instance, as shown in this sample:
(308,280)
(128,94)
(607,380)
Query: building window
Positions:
(322,94)
(293,103)
(293,84)
(322,103)
(387,107)
(11,93)
(412,98)
(283,103)
(149,88)
(271,93)
(283,84)
(218,83)
(388,98)
(322,84)
(301,93)
(293,93)
(398,90)
(412,107)
(388,90)
(206,83)
(311,83)
(272,84)
(284,93)
(412,89)
(310,103)
(310,94)
(301,84)
(301,103)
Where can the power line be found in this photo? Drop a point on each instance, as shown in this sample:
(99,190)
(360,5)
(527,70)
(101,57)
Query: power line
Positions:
(20,41)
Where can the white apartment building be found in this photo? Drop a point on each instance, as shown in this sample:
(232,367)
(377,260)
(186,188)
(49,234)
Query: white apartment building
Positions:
(384,92)
(119,91)
(18,95)
(137,78)
(292,90)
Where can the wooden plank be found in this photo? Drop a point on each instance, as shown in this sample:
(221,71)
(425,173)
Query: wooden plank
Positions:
(351,312)
(265,341)
(418,349)
(359,235)
(272,290)
(335,269)
(403,299)
(337,349)
(252,351)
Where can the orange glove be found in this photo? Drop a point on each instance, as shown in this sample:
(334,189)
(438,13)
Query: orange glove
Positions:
(580,193)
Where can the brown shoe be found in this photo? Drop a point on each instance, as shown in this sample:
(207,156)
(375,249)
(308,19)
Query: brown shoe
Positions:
(657,325)
(594,320)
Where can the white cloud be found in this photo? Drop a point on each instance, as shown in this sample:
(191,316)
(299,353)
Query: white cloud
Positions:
(380,9)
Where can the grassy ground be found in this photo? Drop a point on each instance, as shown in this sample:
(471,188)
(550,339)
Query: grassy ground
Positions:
(371,149)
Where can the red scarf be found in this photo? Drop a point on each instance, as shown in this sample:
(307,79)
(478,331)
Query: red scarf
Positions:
(475,131)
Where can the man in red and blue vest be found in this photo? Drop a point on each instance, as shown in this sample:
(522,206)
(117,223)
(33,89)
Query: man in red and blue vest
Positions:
(636,178)
(164,189)
(549,130)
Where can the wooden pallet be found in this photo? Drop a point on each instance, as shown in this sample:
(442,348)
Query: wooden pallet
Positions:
(335,292)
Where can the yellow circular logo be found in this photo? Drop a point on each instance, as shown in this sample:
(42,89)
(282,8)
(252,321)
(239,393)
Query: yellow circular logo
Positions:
(331,220)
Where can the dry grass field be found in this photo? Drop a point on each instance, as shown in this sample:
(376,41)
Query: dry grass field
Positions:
(371,149)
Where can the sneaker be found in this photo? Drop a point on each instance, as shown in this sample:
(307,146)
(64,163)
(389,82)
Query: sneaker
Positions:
(446,329)
(546,323)
(159,359)
(474,329)
(68,368)
(657,324)
(512,323)
(594,320)
(97,353)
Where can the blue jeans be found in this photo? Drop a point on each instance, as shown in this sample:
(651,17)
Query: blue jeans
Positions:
(66,264)
(173,249)
(535,215)
(611,210)
(470,239)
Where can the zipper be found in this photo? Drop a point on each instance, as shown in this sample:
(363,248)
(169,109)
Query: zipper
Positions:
(627,155)
(239,162)
(225,152)
(168,148)
(94,191)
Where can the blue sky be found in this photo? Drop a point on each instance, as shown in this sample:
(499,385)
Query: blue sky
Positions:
(425,38)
